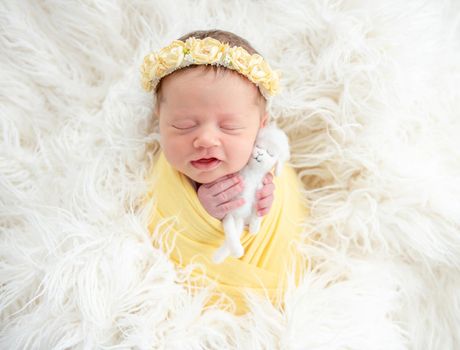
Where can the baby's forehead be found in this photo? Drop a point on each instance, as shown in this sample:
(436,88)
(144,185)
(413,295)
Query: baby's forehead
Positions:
(186,81)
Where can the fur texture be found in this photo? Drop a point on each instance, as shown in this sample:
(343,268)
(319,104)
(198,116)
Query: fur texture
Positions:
(271,150)
(370,102)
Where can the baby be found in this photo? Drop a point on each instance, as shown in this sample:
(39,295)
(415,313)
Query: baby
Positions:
(209,117)
(211,90)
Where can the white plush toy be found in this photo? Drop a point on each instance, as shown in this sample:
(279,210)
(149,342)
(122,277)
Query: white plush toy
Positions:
(271,149)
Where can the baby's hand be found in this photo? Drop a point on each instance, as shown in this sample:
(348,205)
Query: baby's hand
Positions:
(218,197)
(265,196)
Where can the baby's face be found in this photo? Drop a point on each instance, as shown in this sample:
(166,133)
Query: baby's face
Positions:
(208,122)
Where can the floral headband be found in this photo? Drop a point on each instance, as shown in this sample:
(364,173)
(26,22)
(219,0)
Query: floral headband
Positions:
(180,54)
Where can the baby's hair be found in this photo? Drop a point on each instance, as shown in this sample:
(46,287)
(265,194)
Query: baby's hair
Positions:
(224,37)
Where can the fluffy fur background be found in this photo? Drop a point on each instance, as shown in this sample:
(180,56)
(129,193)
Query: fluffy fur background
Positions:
(371,102)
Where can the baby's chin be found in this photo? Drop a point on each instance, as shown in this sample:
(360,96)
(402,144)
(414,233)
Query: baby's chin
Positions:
(207,177)
(204,178)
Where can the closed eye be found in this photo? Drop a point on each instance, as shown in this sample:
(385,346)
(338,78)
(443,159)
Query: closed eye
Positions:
(231,127)
(181,123)
(183,128)
(270,154)
(175,127)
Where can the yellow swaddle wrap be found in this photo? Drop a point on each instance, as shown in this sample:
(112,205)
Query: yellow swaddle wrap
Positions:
(269,254)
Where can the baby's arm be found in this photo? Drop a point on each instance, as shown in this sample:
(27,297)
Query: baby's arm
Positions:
(218,197)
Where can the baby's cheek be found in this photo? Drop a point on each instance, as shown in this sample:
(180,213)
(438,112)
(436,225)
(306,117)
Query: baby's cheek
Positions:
(173,149)
(241,153)
(173,141)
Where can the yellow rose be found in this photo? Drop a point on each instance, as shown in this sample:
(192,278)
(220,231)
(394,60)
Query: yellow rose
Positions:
(240,58)
(206,51)
(261,73)
(147,71)
(259,70)
(153,67)
(147,64)
(172,55)
(191,42)
(147,85)
(273,85)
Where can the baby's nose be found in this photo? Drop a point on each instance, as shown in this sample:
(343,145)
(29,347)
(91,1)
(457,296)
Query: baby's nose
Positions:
(207,138)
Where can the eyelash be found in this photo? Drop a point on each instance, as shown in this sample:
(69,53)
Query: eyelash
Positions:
(232,128)
(176,127)
(190,127)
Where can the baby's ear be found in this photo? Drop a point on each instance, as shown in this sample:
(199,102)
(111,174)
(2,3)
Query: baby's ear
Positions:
(264,120)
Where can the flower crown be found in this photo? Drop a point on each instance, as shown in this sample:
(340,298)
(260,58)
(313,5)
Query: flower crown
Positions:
(193,51)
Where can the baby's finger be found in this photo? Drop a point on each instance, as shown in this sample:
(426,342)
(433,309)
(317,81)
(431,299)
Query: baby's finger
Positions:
(263,212)
(265,202)
(226,184)
(268,179)
(224,208)
(230,193)
(266,191)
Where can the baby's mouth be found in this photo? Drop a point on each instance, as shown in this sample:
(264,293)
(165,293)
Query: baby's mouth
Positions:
(206,163)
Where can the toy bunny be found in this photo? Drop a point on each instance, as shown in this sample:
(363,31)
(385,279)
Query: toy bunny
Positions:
(271,149)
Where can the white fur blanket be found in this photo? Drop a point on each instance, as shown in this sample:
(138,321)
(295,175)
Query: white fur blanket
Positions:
(371,102)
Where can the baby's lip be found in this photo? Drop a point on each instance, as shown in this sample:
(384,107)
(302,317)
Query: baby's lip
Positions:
(204,159)
(206,163)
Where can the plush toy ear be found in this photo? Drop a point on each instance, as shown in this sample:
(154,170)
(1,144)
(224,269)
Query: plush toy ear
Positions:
(278,167)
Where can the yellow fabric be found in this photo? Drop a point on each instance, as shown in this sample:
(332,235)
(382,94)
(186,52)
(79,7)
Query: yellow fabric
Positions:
(197,235)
